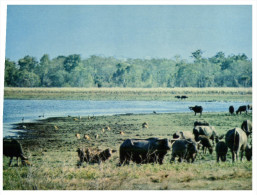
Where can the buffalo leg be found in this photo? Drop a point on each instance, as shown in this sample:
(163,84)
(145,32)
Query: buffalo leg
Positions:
(237,155)
(172,159)
(160,159)
(242,154)
(10,162)
(17,161)
(233,156)
(218,158)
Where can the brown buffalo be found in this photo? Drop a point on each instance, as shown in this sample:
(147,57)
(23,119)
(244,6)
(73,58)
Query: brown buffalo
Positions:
(93,155)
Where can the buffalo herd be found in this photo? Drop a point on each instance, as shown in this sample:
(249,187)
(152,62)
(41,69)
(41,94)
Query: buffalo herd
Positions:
(231,109)
(184,145)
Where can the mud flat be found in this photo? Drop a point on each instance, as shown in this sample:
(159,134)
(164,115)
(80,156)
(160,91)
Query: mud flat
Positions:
(51,144)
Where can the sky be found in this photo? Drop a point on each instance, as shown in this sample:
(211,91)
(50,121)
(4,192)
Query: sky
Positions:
(128,31)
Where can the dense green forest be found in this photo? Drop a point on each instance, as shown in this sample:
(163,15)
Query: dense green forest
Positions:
(98,71)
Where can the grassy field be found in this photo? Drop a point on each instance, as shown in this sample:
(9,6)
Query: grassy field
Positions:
(51,147)
(167,94)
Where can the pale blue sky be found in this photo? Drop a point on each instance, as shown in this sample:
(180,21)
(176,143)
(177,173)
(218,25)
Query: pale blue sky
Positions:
(128,31)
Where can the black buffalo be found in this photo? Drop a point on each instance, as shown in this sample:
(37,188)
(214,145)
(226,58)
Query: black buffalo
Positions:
(236,140)
(221,151)
(231,109)
(248,152)
(142,151)
(247,127)
(206,144)
(184,149)
(12,148)
(183,97)
(241,109)
(197,109)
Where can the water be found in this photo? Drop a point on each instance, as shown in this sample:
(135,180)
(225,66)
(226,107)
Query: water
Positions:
(15,110)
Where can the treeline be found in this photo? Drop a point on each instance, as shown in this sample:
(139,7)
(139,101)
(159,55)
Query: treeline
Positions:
(97,71)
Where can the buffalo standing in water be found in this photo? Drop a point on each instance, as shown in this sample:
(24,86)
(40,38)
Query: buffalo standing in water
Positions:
(141,151)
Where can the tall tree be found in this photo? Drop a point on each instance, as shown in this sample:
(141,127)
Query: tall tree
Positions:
(27,63)
(10,77)
(71,62)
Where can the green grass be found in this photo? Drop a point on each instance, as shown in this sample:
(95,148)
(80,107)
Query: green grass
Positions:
(53,156)
(165,94)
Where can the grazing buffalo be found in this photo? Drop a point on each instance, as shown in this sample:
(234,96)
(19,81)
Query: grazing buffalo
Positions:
(206,144)
(208,131)
(247,127)
(178,97)
(249,107)
(12,148)
(248,152)
(241,109)
(236,140)
(201,123)
(141,151)
(184,149)
(231,109)
(93,156)
(221,151)
(183,135)
(197,109)
(183,97)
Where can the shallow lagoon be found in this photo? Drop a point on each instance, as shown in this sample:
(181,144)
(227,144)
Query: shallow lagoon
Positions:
(15,110)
